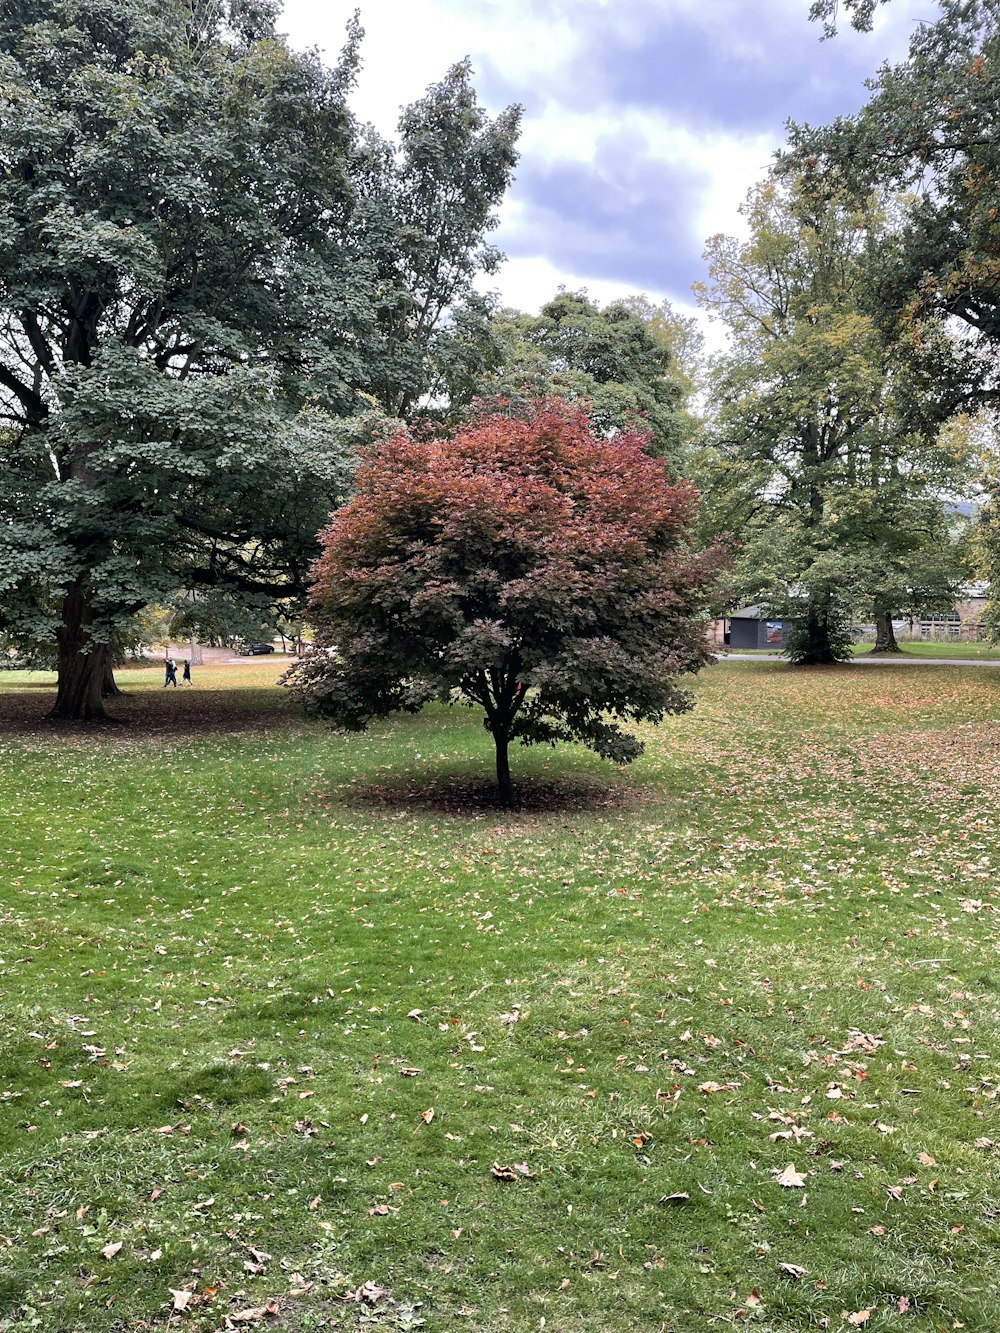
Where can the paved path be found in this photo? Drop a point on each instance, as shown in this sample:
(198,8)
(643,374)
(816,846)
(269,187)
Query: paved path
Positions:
(894,659)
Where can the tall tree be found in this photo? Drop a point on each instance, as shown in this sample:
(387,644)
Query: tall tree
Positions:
(834,484)
(931,128)
(524,565)
(426,207)
(622,360)
(194,285)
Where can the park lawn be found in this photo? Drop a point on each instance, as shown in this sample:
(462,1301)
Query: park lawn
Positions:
(967,652)
(286,1012)
(959,652)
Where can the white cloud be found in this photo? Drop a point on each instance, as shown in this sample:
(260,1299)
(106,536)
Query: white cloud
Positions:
(544,46)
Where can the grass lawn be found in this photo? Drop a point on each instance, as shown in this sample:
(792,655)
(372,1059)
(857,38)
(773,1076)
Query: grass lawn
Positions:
(962,652)
(298,1032)
(967,652)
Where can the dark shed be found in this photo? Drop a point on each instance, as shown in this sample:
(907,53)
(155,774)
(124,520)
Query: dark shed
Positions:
(750,628)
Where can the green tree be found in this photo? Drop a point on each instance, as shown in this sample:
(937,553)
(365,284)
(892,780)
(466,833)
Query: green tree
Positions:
(205,266)
(862,13)
(426,206)
(820,462)
(523,565)
(931,128)
(622,360)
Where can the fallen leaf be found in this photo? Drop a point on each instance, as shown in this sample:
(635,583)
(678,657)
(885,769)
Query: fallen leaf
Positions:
(369,1293)
(681,1196)
(502,1172)
(111,1249)
(925,1159)
(428,1115)
(789,1178)
(252,1316)
(792,1270)
(858,1317)
(182,1299)
(861,1041)
(523,1169)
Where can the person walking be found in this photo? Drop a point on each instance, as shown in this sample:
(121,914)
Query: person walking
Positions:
(171,673)
(186,673)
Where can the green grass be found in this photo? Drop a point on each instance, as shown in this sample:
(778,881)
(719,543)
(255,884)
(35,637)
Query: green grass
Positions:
(967,652)
(240,969)
(964,652)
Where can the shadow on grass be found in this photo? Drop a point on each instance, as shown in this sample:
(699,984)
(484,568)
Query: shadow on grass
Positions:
(152,713)
(464,793)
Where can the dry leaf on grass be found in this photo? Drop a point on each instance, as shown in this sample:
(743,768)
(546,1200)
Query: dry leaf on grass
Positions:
(251,1316)
(792,1270)
(789,1178)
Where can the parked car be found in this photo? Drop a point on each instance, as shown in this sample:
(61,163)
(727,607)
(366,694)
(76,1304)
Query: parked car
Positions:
(255,649)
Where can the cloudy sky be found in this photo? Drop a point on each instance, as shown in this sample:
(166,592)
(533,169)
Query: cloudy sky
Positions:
(646,121)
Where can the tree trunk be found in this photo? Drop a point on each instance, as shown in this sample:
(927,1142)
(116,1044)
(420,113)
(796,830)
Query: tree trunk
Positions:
(80,687)
(505,787)
(109,686)
(817,650)
(885,636)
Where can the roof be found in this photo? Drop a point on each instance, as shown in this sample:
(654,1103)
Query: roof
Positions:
(751,613)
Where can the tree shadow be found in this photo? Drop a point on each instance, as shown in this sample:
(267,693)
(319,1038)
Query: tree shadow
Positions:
(151,714)
(462,793)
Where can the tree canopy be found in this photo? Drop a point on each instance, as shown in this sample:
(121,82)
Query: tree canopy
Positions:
(523,564)
(206,266)
(931,131)
(822,462)
(929,136)
(624,361)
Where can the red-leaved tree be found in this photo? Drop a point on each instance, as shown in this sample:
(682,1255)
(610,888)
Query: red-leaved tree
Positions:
(524,565)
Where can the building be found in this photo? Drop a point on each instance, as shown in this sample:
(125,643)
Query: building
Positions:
(965,621)
(752,628)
